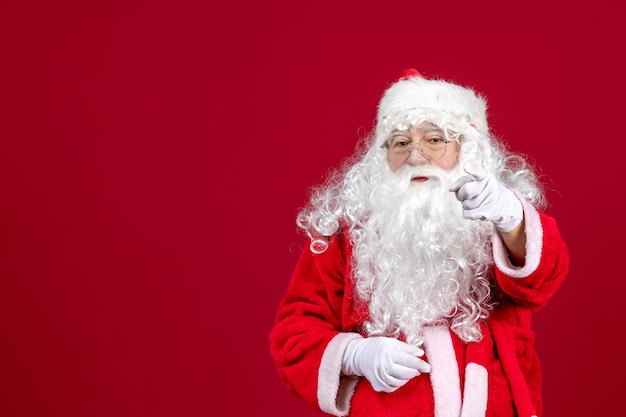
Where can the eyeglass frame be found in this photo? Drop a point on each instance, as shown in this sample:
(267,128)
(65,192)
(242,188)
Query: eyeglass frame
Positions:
(387,143)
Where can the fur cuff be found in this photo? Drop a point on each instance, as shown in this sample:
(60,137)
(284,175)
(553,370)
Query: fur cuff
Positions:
(334,392)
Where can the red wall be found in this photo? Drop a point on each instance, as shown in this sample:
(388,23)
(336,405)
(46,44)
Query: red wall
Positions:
(153,156)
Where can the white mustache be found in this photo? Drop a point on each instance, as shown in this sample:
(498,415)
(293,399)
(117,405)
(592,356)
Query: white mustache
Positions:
(424,171)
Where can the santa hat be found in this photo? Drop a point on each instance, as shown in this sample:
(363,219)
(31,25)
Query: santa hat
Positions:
(413,98)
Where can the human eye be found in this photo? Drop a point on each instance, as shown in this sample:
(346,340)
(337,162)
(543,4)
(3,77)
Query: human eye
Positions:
(436,140)
(400,142)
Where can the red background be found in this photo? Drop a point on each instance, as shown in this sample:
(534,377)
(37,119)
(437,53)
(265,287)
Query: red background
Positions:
(153,156)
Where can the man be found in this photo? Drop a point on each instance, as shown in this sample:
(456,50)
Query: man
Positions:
(428,255)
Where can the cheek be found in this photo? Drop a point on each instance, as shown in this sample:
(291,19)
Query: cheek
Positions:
(450,159)
(394,167)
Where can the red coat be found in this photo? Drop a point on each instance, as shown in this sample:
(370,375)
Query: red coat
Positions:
(317,319)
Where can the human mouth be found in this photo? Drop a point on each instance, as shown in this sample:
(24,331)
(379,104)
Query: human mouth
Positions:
(419,179)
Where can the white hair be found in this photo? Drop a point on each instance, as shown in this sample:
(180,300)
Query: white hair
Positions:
(342,199)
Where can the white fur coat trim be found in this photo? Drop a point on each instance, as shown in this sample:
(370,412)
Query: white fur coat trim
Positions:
(334,392)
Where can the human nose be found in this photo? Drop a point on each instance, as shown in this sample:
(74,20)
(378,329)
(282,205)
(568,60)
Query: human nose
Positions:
(415,156)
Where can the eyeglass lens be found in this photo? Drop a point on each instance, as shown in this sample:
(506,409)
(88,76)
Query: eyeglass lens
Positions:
(399,148)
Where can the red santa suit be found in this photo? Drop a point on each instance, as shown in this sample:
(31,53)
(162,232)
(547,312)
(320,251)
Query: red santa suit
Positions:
(499,376)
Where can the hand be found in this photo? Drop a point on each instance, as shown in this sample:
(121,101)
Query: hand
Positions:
(485,198)
(387,363)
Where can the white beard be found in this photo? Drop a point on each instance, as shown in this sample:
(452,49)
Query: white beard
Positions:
(418,261)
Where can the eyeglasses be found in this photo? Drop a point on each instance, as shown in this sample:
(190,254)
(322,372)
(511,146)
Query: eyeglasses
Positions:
(399,147)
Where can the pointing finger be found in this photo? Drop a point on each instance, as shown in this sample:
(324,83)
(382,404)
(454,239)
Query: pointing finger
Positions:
(460,182)
(475,170)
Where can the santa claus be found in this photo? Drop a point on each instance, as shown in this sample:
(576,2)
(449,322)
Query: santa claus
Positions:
(429,252)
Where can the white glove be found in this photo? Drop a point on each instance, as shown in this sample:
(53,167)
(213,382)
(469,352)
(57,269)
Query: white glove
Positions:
(485,198)
(387,363)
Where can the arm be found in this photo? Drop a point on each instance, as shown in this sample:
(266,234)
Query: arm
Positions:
(310,335)
(526,244)
(315,335)
(546,261)
(515,243)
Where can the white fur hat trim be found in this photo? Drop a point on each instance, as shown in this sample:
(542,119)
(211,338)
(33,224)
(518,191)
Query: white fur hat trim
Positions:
(440,102)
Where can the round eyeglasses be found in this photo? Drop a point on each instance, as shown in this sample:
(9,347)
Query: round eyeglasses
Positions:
(399,148)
